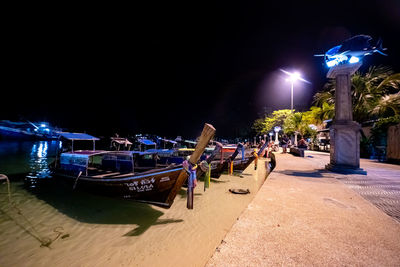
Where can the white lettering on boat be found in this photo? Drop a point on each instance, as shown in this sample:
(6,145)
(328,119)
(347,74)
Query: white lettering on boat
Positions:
(143,185)
(164,179)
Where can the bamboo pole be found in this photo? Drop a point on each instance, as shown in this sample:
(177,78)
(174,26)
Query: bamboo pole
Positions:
(206,135)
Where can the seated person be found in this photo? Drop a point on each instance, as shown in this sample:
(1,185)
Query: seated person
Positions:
(302,143)
(284,142)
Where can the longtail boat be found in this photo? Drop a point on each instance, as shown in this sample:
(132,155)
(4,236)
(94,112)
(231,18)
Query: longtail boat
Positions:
(127,174)
(167,157)
(220,163)
(242,163)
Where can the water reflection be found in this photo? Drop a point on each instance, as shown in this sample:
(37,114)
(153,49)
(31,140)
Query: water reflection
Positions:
(38,164)
(27,160)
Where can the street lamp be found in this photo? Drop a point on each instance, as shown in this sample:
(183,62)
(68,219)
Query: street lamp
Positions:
(293,77)
(270,136)
(276,130)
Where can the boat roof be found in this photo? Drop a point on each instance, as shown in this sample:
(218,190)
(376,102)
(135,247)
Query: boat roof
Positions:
(86,152)
(167,140)
(185,149)
(146,142)
(77,136)
(90,153)
(229,147)
(160,151)
(121,141)
(140,152)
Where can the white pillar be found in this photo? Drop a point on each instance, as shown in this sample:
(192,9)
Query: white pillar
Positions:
(344,132)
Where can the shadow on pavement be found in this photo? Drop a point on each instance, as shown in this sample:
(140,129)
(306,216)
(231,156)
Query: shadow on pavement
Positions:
(307,174)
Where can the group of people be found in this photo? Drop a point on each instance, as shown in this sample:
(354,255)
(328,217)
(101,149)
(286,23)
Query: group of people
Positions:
(285,144)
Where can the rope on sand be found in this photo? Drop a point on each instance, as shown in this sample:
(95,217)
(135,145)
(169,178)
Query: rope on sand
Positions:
(44,241)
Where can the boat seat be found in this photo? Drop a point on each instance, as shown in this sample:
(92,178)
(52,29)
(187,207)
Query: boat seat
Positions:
(105,174)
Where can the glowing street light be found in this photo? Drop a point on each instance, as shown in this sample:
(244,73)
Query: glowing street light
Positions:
(276,130)
(270,136)
(293,77)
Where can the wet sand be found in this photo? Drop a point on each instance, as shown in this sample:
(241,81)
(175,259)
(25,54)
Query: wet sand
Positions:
(88,230)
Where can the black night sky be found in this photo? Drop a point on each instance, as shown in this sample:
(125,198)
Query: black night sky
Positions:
(166,68)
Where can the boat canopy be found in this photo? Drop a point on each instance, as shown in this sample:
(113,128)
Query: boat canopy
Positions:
(167,140)
(161,151)
(121,141)
(78,136)
(186,149)
(146,142)
(75,162)
(123,161)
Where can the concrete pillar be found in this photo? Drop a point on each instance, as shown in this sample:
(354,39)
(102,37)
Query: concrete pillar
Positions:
(344,132)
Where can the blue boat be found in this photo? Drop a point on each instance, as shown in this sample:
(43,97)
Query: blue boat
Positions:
(27,130)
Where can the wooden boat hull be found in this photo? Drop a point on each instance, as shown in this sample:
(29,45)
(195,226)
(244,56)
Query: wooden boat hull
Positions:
(241,165)
(217,168)
(150,187)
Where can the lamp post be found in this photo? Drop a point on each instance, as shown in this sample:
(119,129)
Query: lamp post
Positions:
(270,136)
(276,130)
(293,77)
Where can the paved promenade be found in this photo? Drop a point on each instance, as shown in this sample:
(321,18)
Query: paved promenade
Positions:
(306,216)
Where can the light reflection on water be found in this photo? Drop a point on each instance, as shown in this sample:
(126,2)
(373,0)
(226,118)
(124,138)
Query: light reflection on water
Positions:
(27,160)
(38,163)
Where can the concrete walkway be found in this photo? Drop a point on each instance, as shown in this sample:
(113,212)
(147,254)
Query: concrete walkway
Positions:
(306,216)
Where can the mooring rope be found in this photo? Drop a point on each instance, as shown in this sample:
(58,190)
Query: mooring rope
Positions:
(44,241)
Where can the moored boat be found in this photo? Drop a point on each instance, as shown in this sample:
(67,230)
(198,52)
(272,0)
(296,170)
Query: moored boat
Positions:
(221,163)
(27,130)
(127,174)
(124,174)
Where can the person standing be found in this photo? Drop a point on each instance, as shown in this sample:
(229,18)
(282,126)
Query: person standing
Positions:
(285,141)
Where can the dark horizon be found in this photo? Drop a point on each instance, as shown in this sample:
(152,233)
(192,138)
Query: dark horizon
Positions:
(168,69)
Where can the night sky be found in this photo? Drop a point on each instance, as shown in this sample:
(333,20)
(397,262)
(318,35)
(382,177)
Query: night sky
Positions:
(166,68)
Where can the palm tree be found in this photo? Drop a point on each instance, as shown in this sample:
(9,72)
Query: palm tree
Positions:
(293,123)
(317,115)
(388,105)
(368,91)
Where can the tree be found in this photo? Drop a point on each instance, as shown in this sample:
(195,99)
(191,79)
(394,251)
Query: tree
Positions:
(258,125)
(299,122)
(293,123)
(277,118)
(368,91)
(317,115)
(387,106)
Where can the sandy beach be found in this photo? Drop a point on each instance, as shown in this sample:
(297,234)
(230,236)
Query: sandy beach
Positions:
(86,230)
